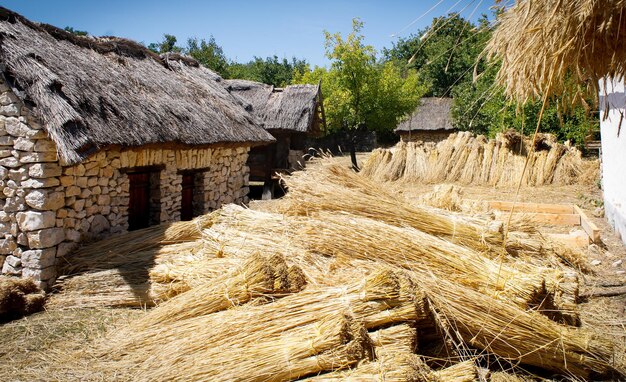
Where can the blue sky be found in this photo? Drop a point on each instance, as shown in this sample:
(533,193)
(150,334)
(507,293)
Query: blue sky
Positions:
(249,28)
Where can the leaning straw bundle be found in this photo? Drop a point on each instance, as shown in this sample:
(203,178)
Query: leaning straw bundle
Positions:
(330,187)
(257,277)
(515,334)
(468,159)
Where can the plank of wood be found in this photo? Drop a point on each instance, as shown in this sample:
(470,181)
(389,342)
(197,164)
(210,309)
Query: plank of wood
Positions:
(554,219)
(532,207)
(605,292)
(592,230)
(578,239)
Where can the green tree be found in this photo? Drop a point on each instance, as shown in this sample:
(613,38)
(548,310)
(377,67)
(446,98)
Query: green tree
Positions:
(208,54)
(445,53)
(167,45)
(76,31)
(360,92)
(271,70)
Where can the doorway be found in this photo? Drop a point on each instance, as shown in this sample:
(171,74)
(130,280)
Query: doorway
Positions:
(139,201)
(186,209)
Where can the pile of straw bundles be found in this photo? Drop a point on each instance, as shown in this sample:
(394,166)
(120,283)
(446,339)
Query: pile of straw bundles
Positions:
(351,282)
(19,297)
(470,159)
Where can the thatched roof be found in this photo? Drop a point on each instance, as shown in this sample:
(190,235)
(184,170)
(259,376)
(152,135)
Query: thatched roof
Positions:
(544,42)
(95,92)
(432,114)
(293,108)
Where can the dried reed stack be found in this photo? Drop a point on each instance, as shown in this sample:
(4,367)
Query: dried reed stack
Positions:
(469,159)
(19,297)
(384,298)
(515,334)
(208,341)
(257,277)
(444,196)
(330,187)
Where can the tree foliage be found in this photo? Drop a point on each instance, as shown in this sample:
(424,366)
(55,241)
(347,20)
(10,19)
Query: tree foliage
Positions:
(447,56)
(360,91)
(76,31)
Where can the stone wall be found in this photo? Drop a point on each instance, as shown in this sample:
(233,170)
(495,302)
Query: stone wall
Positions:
(49,207)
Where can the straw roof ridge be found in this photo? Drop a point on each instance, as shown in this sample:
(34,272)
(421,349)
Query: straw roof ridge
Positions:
(433,113)
(292,108)
(90,92)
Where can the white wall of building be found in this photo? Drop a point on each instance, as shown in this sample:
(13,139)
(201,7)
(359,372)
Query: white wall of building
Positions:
(613,131)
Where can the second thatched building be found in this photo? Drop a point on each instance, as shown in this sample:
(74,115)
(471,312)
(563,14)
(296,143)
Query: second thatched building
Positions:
(430,122)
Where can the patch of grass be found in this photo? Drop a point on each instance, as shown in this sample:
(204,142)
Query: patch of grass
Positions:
(28,345)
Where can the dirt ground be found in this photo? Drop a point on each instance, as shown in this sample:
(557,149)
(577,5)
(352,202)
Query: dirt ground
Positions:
(27,346)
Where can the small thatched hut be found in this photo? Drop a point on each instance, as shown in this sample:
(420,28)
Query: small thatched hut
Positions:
(291,114)
(576,49)
(431,121)
(100,135)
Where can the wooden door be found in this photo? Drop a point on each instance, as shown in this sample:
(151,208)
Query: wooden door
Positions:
(186,210)
(139,203)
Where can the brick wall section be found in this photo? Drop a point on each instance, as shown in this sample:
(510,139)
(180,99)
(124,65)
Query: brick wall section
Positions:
(48,207)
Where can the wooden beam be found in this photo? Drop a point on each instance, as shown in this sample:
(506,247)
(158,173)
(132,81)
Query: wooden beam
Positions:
(592,230)
(554,219)
(532,207)
(578,239)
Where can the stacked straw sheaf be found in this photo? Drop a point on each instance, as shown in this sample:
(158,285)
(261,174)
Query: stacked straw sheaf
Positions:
(386,283)
(469,159)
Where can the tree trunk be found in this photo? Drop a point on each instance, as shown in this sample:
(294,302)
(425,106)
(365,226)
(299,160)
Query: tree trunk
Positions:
(352,143)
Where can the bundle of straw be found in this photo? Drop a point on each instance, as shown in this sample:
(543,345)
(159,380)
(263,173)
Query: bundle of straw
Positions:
(461,372)
(402,338)
(19,297)
(470,159)
(257,277)
(515,334)
(331,187)
(392,366)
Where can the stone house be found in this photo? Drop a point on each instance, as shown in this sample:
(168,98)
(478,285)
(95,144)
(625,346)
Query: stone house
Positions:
(293,115)
(100,136)
(431,121)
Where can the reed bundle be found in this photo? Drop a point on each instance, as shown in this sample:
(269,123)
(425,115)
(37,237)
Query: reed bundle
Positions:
(136,246)
(469,159)
(515,334)
(331,187)
(501,376)
(401,337)
(332,342)
(19,297)
(460,372)
(257,277)
(391,366)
